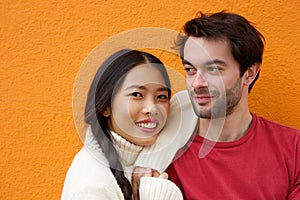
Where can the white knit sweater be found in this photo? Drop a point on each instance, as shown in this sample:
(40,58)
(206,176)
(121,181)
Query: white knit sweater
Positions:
(89,176)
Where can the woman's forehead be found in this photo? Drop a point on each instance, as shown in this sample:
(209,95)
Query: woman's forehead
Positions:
(144,74)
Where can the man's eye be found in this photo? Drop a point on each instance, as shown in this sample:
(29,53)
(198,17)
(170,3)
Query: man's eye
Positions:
(189,69)
(213,69)
(136,94)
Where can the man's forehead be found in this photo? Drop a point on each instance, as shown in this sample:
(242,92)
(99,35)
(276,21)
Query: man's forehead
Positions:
(200,50)
(194,51)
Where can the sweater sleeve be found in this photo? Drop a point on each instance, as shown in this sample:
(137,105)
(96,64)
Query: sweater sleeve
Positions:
(96,193)
(179,128)
(157,188)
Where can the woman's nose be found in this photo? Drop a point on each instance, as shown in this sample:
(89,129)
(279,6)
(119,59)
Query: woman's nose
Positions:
(149,107)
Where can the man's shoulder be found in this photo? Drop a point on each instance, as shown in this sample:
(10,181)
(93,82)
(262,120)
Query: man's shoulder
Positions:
(263,124)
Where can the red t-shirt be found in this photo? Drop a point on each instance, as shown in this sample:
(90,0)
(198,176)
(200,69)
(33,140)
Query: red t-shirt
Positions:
(263,164)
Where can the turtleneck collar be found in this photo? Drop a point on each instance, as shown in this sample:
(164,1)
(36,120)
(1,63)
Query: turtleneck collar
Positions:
(127,151)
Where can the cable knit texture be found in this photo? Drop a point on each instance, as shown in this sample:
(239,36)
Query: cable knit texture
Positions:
(157,188)
(89,176)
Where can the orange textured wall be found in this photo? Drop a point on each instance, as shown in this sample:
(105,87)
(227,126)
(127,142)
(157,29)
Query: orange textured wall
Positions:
(44,43)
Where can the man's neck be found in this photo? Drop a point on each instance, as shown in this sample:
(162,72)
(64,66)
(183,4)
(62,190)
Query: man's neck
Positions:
(227,129)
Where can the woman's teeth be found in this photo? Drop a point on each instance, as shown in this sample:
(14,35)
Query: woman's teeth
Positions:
(147,125)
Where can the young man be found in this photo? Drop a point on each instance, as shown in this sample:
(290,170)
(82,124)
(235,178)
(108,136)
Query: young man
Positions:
(235,154)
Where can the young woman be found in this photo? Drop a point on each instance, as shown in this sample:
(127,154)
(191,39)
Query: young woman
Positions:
(127,107)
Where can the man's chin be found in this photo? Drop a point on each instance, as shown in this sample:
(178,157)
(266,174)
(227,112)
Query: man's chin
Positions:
(208,114)
(202,114)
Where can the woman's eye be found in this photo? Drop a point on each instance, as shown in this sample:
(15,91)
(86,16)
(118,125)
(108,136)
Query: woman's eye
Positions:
(136,94)
(163,97)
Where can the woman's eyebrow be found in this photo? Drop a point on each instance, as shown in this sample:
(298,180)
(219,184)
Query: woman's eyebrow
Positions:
(142,87)
(162,89)
(136,87)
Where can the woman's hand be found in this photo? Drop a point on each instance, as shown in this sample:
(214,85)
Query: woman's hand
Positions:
(140,172)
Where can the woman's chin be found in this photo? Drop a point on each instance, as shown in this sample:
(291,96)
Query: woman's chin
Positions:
(146,141)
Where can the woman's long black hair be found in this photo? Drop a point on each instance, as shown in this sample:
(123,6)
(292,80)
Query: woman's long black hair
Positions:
(108,79)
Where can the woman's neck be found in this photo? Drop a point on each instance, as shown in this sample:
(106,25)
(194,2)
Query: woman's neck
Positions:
(126,150)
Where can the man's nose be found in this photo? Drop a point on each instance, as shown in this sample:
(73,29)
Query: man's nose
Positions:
(199,81)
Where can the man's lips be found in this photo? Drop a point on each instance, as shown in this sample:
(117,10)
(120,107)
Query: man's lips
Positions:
(203,99)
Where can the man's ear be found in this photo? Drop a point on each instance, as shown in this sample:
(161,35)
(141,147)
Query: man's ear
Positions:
(251,73)
(107,112)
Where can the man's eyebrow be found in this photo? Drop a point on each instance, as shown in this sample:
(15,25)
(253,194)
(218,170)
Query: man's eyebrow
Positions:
(185,62)
(210,62)
(215,61)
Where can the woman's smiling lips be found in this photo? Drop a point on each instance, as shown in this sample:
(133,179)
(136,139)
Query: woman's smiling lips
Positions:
(147,125)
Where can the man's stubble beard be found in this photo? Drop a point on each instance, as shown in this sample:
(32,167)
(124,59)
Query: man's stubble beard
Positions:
(224,104)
